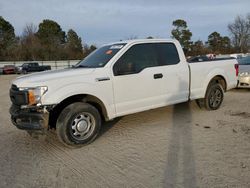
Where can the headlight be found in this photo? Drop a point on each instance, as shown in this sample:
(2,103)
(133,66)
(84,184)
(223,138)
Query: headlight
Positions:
(244,73)
(35,94)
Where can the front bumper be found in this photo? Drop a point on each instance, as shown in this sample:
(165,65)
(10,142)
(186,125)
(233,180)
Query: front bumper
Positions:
(29,119)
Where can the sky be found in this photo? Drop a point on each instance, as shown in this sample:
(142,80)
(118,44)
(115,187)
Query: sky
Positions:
(99,22)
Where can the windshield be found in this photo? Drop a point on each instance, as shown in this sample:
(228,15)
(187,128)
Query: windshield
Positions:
(100,57)
(244,61)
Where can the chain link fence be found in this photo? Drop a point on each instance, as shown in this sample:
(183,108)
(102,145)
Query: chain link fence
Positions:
(60,64)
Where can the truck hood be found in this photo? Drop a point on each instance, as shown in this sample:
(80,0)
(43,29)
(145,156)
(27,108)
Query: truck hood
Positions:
(43,78)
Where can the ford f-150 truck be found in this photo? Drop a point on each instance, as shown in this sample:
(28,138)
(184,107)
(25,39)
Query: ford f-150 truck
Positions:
(116,80)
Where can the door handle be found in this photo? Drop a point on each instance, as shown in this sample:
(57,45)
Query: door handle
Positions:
(102,79)
(158,76)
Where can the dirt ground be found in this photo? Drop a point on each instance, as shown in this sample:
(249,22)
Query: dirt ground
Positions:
(175,146)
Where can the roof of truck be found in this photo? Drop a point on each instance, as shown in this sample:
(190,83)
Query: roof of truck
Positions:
(142,41)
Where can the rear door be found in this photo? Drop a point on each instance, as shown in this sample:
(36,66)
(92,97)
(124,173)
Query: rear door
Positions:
(175,73)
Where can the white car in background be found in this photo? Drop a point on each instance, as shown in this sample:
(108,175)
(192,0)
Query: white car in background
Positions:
(244,72)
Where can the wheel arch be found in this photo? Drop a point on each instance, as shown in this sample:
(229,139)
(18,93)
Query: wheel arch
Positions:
(217,79)
(90,99)
(220,80)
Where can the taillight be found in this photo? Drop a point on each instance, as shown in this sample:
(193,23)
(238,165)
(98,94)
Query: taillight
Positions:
(236,66)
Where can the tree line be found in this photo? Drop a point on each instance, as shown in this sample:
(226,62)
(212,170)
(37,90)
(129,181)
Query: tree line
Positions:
(50,42)
(47,42)
(238,42)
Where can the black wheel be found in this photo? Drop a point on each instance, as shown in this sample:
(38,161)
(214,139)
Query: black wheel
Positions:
(214,97)
(78,124)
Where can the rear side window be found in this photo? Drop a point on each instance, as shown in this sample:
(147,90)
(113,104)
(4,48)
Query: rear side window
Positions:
(167,54)
(141,56)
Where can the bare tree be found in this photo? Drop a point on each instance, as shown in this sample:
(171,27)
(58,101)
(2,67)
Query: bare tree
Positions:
(240,32)
(30,44)
(29,30)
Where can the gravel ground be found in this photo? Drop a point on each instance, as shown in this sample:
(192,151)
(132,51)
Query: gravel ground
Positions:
(175,146)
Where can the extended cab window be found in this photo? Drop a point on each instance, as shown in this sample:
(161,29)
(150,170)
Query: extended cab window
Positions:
(101,56)
(137,58)
(167,54)
(141,56)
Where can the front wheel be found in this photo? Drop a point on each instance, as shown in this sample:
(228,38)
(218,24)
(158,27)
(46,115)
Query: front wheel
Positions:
(78,124)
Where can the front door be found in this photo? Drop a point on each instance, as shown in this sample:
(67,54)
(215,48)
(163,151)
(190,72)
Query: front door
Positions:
(137,80)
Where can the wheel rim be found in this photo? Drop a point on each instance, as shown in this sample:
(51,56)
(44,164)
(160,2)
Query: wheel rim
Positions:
(215,98)
(82,126)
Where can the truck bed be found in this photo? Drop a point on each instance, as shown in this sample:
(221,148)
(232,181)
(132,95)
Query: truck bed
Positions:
(202,72)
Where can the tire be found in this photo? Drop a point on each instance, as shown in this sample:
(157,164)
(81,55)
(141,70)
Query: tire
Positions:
(78,124)
(200,102)
(214,97)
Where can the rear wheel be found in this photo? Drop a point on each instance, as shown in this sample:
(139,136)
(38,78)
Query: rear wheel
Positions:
(78,124)
(213,98)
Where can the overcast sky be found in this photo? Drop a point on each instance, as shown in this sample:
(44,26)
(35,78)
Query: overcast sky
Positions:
(98,21)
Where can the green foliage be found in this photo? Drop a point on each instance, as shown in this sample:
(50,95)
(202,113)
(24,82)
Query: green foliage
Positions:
(198,48)
(214,41)
(182,34)
(52,39)
(89,49)
(226,46)
(7,39)
(74,45)
(49,42)
(218,44)
(50,32)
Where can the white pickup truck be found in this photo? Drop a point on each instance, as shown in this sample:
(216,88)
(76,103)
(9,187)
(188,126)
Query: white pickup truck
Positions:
(115,80)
